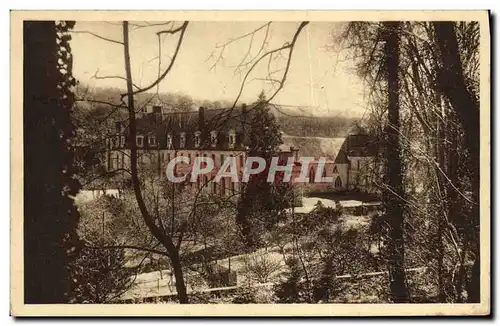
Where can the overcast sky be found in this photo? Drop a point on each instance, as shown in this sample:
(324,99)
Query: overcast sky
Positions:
(320,78)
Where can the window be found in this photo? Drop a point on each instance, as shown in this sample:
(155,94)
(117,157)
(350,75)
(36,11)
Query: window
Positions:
(182,140)
(152,140)
(335,169)
(139,140)
(232,138)
(122,141)
(338,182)
(110,166)
(357,164)
(223,186)
(221,159)
(213,138)
(197,139)
(169,141)
(311,175)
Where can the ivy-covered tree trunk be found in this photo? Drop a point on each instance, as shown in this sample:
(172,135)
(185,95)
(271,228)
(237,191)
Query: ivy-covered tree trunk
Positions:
(50,217)
(452,82)
(393,195)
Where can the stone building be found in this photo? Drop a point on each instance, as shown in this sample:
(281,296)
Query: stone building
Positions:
(222,133)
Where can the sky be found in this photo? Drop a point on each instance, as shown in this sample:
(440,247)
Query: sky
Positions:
(320,81)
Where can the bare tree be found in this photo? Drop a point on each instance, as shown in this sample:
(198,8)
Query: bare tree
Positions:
(170,239)
(394,204)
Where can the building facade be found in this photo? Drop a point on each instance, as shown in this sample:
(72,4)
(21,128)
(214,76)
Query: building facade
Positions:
(223,133)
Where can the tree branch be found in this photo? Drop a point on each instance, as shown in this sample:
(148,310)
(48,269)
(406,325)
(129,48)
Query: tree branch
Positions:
(98,36)
(182,29)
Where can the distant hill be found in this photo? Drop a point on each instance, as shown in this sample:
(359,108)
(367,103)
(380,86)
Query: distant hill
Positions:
(177,101)
(291,123)
(315,126)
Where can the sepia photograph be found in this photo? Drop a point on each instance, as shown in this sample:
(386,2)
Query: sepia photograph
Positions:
(251,163)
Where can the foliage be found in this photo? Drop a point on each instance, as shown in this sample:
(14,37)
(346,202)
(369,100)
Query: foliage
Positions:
(99,273)
(439,147)
(262,203)
(260,268)
(50,217)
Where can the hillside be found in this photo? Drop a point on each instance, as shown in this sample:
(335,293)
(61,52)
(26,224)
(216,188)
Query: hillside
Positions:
(315,126)
(290,123)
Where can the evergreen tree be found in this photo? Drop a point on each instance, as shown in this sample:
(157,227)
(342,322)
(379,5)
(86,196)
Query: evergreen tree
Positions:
(262,203)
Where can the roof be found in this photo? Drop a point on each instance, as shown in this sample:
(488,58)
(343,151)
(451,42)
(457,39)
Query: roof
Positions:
(315,146)
(336,148)
(189,122)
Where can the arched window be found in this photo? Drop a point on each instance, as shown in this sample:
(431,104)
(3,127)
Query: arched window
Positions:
(232,138)
(213,138)
(311,175)
(223,186)
(169,141)
(338,182)
(182,140)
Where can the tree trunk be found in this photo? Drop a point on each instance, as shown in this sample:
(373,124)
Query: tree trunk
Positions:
(394,197)
(163,238)
(453,85)
(180,285)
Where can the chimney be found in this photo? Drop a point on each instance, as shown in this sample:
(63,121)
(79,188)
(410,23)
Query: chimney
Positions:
(245,123)
(295,152)
(157,112)
(201,119)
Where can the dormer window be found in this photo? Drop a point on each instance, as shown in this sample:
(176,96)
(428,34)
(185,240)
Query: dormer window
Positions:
(169,141)
(197,139)
(139,140)
(213,138)
(182,140)
(112,142)
(232,138)
(152,141)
